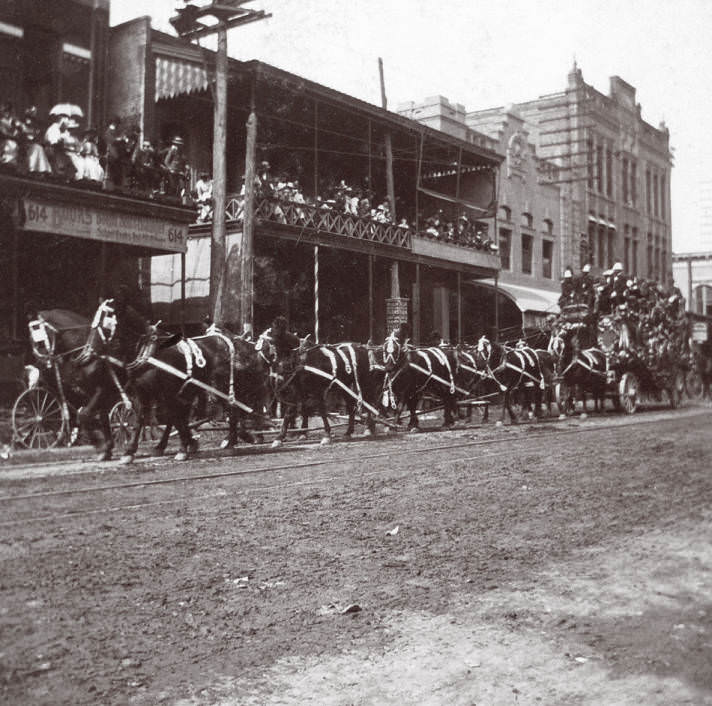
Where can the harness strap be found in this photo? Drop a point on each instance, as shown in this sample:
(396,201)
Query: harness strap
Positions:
(437,378)
(214,331)
(443,359)
(170,369)
(345,388)
(353,368)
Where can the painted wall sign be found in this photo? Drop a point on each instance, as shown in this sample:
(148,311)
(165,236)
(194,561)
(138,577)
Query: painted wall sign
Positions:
(109,226)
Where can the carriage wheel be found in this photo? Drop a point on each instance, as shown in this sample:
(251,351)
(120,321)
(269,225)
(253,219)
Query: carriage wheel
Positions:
(694,386)
(677,390)
(628,392)
(37,419)
(122,420)
(564,398)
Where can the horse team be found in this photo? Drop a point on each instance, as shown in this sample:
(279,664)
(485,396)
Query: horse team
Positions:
(175,377)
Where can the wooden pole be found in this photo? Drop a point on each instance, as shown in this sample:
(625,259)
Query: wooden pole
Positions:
(496,305)
(395,280)
(459,306)
(182,290)
(248,228)
(316,293)
(15,279)
(218,253)
(416,305)
(370,297)
(316,149)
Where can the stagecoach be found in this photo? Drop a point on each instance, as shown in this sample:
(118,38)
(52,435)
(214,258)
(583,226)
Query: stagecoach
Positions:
(44,415)
(623,364)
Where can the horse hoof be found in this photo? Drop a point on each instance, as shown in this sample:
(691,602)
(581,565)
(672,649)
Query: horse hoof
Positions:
(583,415)
(224,444)
(158,451)
(530,415)
(325,441)
(104,456)
(126,459)
(562,416)
(181,456)
(368,432)
(302,437)
(413,430)
(499,423)
(276,443)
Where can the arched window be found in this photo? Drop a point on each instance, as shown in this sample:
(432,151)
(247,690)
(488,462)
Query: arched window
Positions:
(527,220)
(505,213)
(548,226)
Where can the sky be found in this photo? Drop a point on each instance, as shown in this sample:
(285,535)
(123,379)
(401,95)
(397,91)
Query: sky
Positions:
(484,55)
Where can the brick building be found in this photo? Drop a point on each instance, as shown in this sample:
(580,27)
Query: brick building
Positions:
(614,174)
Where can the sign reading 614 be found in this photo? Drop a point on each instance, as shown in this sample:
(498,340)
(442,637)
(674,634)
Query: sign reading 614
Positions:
(36,214)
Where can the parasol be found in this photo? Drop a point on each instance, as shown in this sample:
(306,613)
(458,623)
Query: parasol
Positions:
(69,109)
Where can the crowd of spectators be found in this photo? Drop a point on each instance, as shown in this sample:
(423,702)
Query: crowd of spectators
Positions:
(360,202)
(58,149)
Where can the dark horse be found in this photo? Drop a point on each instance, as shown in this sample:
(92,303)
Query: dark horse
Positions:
(411,371)
(518,370)
(175,372)
(304,374)
(72,348)
(579,368)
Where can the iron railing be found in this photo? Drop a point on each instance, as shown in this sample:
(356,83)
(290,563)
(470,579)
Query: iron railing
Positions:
(322,220)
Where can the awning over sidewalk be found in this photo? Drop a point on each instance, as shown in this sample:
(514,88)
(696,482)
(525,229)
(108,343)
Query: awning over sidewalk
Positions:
(175,76)
(543,301)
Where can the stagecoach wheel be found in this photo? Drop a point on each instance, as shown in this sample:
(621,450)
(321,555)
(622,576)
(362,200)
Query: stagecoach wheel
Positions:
(628,392)
(564,398)
(694,386)
(37,419)
(122,420)
(677,389)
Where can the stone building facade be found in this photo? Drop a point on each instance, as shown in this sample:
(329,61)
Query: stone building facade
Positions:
(614,174)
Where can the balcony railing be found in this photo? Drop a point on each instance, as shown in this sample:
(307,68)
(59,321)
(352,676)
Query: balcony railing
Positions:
(322,220)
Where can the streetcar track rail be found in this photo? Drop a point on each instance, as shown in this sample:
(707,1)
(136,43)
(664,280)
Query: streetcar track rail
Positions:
(558,434)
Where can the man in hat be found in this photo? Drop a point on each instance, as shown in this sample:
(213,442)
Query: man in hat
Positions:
(176,166)
(144,166)
(585,287)
(568,288)
(618,284)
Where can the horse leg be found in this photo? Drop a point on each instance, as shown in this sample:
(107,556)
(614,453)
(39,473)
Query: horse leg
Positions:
(141,420)
(85,420)
(188,445)
(108,445)
(351,410)
(448,409)
(508,404)
(326,438)
(288,417)
(305,420)
(413,424)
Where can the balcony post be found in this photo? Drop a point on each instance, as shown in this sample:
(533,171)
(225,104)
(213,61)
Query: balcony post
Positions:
(248,228)
(370,297)
(459,306)
(218,250)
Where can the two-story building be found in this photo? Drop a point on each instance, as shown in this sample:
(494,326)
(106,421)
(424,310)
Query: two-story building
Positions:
(528,225)
(343,272)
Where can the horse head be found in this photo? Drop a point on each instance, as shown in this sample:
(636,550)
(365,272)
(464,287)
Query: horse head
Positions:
(484,350)
(149,344)
(394,350)
(101,332)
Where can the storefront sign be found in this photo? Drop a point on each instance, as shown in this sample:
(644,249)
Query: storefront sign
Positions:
(108,226)
(699,331)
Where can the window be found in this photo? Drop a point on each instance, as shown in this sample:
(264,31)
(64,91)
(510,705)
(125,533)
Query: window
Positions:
(599,168)
(590,246)
(527,220)
(626,248)
(609,173)
(548,226)
(601,247)
(527,242)
(648,195)
(589,162)
(635,251)
(611,246)
(505,244)
(624,180)
(650,256)
(656,194)
(505,213)
(633,181)
(662,196)
(547,256)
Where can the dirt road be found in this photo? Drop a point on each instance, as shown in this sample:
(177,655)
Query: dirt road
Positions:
(548,565)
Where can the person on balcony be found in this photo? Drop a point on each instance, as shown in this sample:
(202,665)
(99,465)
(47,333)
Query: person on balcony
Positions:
(71,145)
(265,181)
(91,168)
(298,198)
(145,173)
(176,168)
(204,197)
(115,147)
(9,136)
(36,161)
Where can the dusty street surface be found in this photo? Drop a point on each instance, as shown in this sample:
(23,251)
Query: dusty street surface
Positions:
(566,564)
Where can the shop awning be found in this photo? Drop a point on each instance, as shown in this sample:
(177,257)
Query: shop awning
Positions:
(543,301)
(177,76)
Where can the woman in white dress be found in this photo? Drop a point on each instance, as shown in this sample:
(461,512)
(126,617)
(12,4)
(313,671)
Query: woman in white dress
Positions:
(89,152)
(35,156)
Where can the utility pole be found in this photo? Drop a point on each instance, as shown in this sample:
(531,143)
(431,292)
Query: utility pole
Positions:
(188,25)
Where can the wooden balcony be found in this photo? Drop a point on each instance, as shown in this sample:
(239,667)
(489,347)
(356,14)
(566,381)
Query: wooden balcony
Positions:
(322,220)
(440,250)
